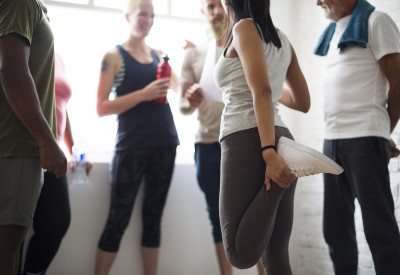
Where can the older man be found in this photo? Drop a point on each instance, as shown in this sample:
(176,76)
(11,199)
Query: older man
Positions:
(362,107)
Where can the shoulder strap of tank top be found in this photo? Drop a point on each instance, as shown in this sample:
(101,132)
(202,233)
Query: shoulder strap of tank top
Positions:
(120,76)
(154,54)
(122,51)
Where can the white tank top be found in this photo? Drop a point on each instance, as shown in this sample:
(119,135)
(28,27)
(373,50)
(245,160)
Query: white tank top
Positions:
(238,113)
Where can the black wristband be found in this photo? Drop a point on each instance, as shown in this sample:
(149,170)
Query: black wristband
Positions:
(268,147)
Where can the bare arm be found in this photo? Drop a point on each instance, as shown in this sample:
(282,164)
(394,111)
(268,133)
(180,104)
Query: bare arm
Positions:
(68,138)
(184,104)
(190,92)
(247,44)
(298,96)
(174,82)
(20,92)
(390,66)
(110,66)
(191,97)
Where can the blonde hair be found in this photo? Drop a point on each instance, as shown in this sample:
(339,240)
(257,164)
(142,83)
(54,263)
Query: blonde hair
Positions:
(131,5)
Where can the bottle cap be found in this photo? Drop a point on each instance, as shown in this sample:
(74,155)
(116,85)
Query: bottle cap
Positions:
(79,151)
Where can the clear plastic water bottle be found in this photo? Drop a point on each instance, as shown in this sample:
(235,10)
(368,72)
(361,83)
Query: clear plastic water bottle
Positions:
(79,152)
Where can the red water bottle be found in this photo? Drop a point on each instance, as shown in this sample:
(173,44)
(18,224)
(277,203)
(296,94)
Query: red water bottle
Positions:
(163,70)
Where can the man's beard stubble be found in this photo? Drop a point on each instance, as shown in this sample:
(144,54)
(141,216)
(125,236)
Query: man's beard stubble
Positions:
(217,27)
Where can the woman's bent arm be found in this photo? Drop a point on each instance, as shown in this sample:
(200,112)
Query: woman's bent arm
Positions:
(248,45)
(298,96)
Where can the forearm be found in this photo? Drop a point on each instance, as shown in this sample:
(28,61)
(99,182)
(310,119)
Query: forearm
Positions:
(184,104)
(184,107)
(393,106)
(301,104)
(264,113)
(120,104)
(68,138)
(21,95)
(286,98)
(297,97)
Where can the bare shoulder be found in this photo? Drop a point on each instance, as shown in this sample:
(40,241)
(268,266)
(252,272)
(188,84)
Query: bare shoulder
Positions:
(244,26)
(245,31)
(113,54)
(111,60)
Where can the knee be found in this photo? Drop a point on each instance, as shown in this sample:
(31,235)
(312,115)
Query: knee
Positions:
(242,261)
(63,223)
(54,229)
(112,235)
(11,238)
(276,259)
(381,235)
(329,233)
(110,241)
(61,229)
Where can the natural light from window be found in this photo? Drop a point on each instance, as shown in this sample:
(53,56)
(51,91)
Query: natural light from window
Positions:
(85,29)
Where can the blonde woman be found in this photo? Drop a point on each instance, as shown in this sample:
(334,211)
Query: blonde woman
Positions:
(146,138)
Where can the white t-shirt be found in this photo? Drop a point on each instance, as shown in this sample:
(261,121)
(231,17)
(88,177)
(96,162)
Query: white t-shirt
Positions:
(355,89)
(238,113)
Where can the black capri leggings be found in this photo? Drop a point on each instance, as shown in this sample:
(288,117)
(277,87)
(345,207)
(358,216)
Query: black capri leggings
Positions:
(255,222)
(156,165)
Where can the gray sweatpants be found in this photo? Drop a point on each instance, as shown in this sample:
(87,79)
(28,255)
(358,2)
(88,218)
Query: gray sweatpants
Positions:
(255,222)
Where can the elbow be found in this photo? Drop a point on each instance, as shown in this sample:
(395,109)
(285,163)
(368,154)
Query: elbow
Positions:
(267,91)
(100,110)
(305,104)
(306,107)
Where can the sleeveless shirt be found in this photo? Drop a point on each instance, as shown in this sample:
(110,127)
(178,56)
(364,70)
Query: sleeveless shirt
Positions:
(238,113)
(148,124)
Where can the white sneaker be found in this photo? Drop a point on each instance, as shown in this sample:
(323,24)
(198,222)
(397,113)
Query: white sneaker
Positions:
(305,161)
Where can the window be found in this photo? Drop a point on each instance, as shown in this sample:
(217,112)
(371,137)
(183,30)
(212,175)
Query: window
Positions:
(160,6)
(83,2)
(84,33)
(115,4)
(186,8)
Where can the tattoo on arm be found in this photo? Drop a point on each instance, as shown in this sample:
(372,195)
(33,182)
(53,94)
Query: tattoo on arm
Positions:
(104,65)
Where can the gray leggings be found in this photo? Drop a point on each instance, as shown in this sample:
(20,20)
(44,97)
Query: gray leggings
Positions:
(255,223)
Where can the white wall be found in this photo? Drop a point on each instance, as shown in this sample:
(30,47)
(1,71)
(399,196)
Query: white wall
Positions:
(187,245)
